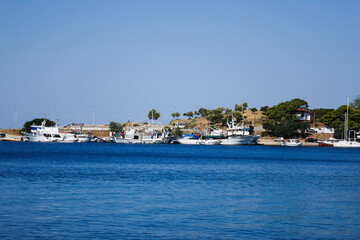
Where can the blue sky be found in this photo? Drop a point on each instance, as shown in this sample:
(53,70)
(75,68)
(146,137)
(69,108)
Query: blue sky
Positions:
(70,60)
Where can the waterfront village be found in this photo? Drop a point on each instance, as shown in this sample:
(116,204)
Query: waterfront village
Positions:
(289,123)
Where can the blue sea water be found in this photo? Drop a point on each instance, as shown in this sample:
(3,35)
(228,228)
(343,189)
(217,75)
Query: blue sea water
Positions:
(114,191)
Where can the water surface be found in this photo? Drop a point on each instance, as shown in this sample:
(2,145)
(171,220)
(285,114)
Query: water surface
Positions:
(114,191)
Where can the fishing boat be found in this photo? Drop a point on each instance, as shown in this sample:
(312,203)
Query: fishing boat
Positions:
(42,133)
(291,143)
(234,135)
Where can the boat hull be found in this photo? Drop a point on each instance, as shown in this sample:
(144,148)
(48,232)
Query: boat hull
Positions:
(347,144)
(188,141)
(240,140)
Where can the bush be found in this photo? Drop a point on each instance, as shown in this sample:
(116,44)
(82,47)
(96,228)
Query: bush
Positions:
(265,134)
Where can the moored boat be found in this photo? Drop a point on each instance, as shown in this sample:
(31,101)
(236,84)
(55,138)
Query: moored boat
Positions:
(348,142)
(291,143)
(43,133)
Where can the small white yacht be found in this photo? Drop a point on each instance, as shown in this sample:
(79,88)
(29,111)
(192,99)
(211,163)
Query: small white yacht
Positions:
(348,142)
(83,138)
(291,143)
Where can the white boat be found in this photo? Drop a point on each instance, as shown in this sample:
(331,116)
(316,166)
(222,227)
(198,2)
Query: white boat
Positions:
(133,137)
(208,142)
(42,133)
(83,138)
(67,137)
(236,135)
(348,142)
(291,143)
(48,134)
(189,139)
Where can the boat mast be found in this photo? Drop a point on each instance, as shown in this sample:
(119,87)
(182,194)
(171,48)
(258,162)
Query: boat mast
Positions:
(346,121)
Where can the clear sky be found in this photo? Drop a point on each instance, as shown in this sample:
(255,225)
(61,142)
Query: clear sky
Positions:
(70,60)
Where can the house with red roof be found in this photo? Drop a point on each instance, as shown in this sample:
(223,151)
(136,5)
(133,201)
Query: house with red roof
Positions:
(302,115)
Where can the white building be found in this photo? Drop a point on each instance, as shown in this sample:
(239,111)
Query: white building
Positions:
(302,115)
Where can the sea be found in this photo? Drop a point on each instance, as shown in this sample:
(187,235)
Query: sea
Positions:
(114,191)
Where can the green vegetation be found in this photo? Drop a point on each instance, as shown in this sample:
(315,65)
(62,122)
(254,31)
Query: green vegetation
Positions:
(175,115)
(336,119)
(115,127)
(264,109)
(319,113)
(153,114)
(281,119)
(37,121)
(177,132)
(203,112)
(356,102)
(189,114)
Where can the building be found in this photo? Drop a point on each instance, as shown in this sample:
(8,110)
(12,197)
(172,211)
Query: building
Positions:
(302,115)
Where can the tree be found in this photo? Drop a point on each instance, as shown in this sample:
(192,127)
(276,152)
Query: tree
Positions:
(245,105)
(175,115)
(320,112)
(253,110)
(216,115)
(204,112)
(281,119)
(238,116)
(287,129)
(189,114)
(177,132)
(336,119)
(241,107)
(197,114)
(285,110)
(356,102)
(153,114)
(228,111)
(264,109)
(238,107)
(37,121)
(115,127)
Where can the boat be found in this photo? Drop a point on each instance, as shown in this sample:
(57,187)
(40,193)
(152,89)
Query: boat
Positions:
(67,137)
(189,139)
(131,136)
(236,135)
(208,141)
(42,133)
(327,143)
(83,138)
(291,143)
(10,139)
(348,142)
